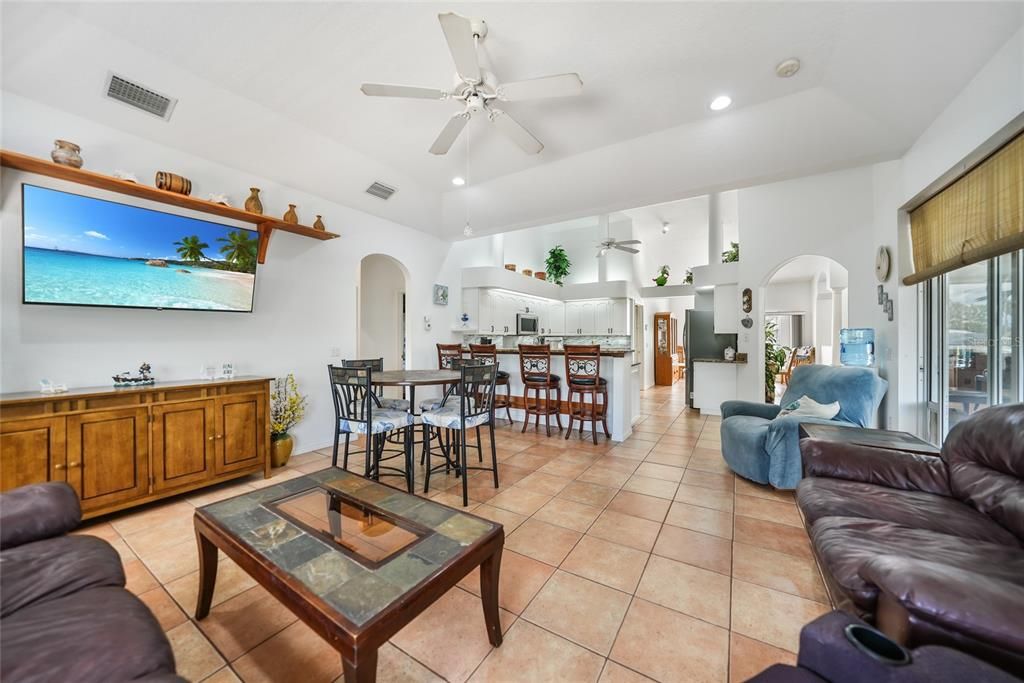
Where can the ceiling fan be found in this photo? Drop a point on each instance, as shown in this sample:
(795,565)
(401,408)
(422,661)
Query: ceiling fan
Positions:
(478,89)
(612,243)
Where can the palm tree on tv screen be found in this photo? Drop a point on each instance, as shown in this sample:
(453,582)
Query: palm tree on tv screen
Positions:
(191,248)
(239,249)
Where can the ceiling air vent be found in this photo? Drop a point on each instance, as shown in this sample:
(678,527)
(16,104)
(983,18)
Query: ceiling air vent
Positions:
(380,190)
(139,96)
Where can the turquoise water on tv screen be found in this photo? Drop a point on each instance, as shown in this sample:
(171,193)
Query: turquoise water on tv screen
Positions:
(82,250)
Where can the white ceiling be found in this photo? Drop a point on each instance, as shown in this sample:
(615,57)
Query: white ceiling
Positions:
(887,69)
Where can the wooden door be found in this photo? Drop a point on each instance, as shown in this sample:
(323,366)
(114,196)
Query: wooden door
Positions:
(184,436)
(664,348)
(31,451)
(108,456)
(240,436)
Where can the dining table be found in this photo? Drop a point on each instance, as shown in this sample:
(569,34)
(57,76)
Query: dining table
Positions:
(415,378)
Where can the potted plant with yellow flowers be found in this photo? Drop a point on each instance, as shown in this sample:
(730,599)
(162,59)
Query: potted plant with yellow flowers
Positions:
(287,407)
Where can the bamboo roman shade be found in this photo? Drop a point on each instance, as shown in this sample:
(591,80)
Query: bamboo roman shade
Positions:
(978,217)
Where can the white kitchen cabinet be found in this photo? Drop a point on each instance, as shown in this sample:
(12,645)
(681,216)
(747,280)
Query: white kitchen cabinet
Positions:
(621,318)
(485,317)
(713,383)
(602,317)
(727,305)
(556,318)
(579,317)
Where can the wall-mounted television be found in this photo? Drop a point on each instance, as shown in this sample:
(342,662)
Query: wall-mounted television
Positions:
(83,251)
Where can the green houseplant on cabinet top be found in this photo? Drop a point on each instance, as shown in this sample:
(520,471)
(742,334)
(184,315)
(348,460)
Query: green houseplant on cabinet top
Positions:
(662,278)
(557,265)
(287,407)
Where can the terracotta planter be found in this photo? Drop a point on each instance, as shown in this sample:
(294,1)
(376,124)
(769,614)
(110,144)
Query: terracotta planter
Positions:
(510,266)
(280,450)
(540,275)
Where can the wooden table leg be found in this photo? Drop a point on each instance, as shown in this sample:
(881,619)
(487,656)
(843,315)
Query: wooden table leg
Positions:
(363,669)
(207,574)
(489,570)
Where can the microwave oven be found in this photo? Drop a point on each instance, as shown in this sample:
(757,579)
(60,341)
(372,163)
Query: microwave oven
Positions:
(527,323)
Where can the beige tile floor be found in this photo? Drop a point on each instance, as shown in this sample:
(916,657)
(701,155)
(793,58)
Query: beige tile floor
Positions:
(631,561)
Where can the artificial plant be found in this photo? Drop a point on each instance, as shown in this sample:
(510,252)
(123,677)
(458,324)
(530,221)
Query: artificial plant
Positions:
(688,280)
(774,357)
(733,254)
(287,406)
(557,264)
(662,278)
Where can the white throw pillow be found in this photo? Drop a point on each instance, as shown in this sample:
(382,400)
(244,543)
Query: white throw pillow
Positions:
(805,406)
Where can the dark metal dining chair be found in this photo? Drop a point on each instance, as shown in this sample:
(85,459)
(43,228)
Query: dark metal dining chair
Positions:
(467,405)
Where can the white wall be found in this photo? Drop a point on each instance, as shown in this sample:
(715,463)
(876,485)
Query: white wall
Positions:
(306,294)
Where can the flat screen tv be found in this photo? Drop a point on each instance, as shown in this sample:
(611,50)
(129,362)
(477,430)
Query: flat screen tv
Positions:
(83,251)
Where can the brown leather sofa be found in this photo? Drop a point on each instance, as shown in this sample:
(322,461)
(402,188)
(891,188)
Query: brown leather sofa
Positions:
(931,549)
(64,612)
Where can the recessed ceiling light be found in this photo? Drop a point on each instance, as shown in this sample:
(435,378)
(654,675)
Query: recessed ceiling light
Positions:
(720,102)
(787,68)
(458,181)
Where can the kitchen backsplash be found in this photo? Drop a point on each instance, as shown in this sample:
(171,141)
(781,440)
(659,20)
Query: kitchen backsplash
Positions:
(510,341)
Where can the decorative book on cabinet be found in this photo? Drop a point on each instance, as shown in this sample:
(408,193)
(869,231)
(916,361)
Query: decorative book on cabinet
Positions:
(123,446)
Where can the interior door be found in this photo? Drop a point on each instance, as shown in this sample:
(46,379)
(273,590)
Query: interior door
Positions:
(31,451)
(240,432)
(184,438)
(108,456)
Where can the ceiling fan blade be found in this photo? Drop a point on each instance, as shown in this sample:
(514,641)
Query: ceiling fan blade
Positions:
(449,133)
(387,90)
(631,250)
(562,85)
(515,132)
(458,31)
(628,242)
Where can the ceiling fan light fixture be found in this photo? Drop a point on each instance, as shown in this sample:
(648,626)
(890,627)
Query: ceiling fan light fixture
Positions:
(664,227)
(721,102)
(458,181)
(468,230)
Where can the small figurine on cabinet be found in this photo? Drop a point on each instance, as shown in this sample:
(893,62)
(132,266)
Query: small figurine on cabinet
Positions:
(125,379)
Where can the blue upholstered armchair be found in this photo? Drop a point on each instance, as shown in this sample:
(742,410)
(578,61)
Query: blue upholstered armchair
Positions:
(765,448)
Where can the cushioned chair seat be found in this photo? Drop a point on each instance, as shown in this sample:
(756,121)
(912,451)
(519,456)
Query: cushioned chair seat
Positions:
(821,497)
(844,544)
(40,572)
(98,634)
(430,404)
(394,403)
(448,416)
(587,382)
(503,377)
(383,421)
(539,379)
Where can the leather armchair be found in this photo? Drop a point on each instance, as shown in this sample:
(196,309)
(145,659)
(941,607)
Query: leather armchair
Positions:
(929,548)
(763,447)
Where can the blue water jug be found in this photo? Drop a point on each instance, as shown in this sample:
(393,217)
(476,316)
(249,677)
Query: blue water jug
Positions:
(857,346)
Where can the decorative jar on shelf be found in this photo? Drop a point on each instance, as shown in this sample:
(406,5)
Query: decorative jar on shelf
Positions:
(290,216)
(66,154)
(280,449)
(253,203)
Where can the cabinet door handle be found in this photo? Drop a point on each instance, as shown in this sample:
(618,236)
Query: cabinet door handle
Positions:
(58,466)
(73,464)
(210,438)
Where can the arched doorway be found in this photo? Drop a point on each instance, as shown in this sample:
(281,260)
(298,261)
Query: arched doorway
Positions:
(805,306)
(382,317)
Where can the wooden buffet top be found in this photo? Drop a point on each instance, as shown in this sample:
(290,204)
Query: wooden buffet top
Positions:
(20,397)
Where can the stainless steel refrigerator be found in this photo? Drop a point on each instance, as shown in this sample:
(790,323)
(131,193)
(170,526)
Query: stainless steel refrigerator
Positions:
(700,341)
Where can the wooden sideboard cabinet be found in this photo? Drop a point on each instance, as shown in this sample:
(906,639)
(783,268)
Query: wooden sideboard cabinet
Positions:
(119,447)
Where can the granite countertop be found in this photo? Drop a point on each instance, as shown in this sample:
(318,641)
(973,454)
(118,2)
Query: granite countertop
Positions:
(718,360)
(607,353)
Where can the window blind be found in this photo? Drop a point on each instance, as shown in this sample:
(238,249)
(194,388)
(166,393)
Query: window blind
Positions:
(978,217)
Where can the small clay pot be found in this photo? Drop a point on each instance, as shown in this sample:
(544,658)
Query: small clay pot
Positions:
(541,275)
(66,154)
(510,266)
(290,216)
(253,203)
(318,224)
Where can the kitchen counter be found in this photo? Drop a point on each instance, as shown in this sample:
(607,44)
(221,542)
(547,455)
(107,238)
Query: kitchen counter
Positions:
(608,353)
(718,360)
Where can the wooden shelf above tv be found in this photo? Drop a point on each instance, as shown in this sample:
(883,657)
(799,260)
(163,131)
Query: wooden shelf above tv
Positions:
(265,224)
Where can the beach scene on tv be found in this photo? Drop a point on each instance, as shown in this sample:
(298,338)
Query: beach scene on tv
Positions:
(83,250)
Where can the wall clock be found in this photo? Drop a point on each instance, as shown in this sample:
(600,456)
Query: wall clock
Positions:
(882,264)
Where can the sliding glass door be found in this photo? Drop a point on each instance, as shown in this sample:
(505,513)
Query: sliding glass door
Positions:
(973,338)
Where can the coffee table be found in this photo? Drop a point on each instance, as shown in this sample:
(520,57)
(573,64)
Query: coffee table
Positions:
(354,559)
(861,436)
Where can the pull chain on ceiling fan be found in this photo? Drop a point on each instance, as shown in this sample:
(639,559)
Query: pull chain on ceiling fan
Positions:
(478,89)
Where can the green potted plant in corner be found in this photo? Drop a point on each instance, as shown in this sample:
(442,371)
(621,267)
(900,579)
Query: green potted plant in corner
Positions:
(733,255)
(774,357)
(287,407)
(688,280)
(557,265)
(662,278)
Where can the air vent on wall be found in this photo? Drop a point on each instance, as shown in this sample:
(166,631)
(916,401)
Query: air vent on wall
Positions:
(380,190)
(139,96)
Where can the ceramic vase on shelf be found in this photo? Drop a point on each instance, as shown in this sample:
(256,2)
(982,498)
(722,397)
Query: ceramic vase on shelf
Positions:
(253,203)
(290,216)
(318,224)
(280,449)
(66,154)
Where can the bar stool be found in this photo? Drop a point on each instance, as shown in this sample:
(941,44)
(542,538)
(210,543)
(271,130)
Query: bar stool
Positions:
(445,354)
(583,377)
(535,371)
(489,352)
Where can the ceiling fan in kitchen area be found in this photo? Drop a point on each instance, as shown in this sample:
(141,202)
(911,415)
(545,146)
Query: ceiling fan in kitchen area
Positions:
(478,89)
(612,243)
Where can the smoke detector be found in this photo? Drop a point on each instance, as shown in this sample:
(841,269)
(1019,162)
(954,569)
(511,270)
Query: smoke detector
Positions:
(787,68)
(139,96)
